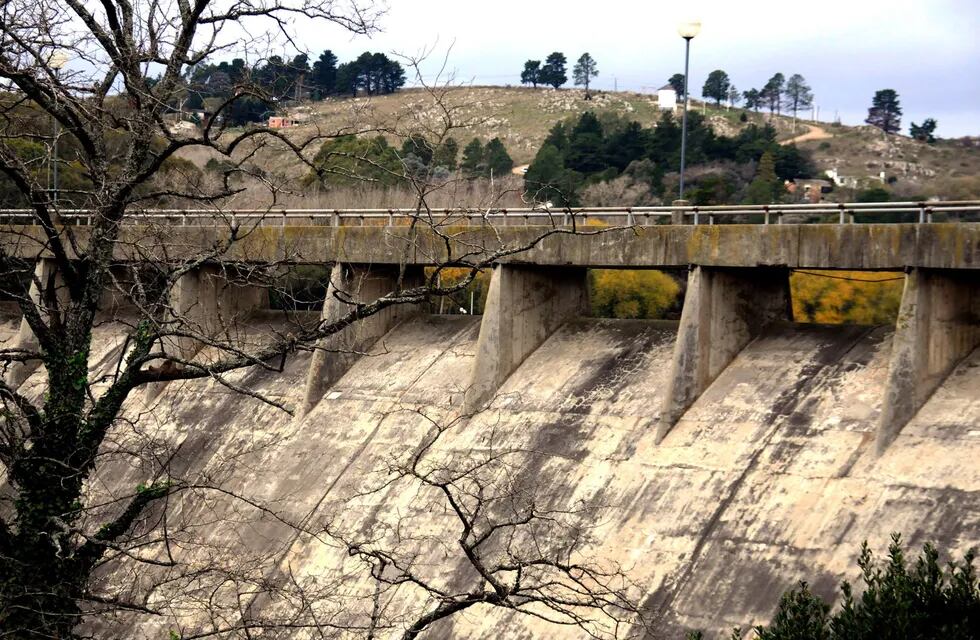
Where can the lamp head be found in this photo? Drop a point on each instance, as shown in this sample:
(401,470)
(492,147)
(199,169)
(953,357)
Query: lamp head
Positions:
(689,29)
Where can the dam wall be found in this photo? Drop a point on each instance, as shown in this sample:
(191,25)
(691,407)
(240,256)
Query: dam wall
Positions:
(715,461)
(770,477)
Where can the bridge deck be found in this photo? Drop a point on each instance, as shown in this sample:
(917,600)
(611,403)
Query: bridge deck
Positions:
(815,246)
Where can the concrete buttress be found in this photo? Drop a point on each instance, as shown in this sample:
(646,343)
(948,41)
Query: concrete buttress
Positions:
(53,291)
(336,353)
(938,325)
(524,306)
(724,309)
(209,304)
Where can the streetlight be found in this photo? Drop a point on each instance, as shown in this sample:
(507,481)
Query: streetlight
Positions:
(687,30)
(57,60)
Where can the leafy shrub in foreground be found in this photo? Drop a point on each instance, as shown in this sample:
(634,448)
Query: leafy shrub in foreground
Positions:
(924,601)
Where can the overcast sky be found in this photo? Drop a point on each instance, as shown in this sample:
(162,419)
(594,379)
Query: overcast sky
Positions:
(927,50)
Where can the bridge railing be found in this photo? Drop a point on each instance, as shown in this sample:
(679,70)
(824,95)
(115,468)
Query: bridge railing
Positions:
(839,213)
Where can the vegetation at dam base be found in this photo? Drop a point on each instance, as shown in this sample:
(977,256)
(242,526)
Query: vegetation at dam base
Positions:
(899,601)
(822,297)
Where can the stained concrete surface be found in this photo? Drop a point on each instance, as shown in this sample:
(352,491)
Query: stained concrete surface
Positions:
(767,479)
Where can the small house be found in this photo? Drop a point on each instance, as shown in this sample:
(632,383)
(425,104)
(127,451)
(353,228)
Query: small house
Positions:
(667,98)
(281,122)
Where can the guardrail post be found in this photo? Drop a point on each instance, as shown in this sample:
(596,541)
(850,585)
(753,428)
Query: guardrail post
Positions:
(922,214)
(283,218)
(629,217)
(766,209)
(335,219)
(677,215)
(929,215)
(842,213)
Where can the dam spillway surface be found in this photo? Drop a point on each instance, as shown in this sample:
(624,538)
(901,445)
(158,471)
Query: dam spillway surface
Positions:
(768,478)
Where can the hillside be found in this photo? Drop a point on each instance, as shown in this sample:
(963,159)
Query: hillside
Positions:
(522,117)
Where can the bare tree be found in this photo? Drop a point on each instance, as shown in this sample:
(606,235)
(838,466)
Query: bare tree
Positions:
(111,105)
(521,549)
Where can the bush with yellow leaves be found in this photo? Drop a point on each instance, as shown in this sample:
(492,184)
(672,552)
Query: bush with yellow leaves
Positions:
(846,297)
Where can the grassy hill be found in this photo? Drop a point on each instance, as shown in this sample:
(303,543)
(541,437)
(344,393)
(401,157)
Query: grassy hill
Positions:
(521,118)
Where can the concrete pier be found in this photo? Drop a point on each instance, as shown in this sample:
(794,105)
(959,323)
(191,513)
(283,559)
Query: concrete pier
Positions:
(211,303)
(724,309)
(938,325)
(336,353)
(524,306)
(51,291)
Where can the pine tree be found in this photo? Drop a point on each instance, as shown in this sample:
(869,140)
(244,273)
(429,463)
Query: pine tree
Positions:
(445,154)
(716,86)
(798,94)
(886,111)
(347,79)
(627,145)
(772,93)
(753,99)
(765,187)
(924,132)
(585,69)
(496,161)
(532,73)
(734,96)
(547,180)
(677,83)
(553,71)
(324,76)
(472,157)
(585,145)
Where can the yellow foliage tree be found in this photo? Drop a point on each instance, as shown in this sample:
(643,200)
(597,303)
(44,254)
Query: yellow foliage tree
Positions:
(627,293)
(846,297)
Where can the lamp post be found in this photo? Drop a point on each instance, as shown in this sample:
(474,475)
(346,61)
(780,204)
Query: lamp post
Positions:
(687,30)
(57,60)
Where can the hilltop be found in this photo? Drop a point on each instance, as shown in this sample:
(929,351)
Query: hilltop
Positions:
(522,117)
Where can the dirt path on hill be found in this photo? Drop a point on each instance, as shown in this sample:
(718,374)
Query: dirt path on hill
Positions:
(814,133)
(520,169)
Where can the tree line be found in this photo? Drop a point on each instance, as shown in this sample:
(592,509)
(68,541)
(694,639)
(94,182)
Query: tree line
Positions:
(795,95)
(351,160)
(276,79)
(553,72)
(886,114)
(589,150)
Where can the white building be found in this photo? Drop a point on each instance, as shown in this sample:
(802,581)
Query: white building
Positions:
(667,98)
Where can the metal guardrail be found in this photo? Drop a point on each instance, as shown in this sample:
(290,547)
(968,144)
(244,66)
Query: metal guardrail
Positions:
(770,214)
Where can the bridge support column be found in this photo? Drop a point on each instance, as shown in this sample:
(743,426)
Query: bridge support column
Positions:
(938,325)
(524,306)
(724,309)
(335,354)
(52,288)
(207,303)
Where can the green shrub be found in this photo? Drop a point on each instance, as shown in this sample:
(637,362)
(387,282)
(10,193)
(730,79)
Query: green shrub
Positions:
(923,601)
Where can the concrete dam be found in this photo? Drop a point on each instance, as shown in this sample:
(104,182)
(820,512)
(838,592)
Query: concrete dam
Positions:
(715,461)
